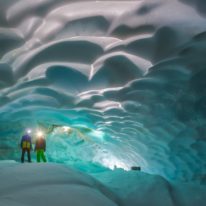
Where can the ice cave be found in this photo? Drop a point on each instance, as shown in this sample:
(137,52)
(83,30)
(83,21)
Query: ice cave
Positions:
(117,89)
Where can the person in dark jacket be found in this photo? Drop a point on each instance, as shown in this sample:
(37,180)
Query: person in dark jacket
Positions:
(26,146)
(40,147)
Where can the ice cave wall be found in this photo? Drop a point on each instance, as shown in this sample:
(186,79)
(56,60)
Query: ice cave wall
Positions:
(131,73)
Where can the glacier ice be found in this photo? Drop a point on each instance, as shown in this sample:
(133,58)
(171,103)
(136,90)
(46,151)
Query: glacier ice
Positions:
(127,76)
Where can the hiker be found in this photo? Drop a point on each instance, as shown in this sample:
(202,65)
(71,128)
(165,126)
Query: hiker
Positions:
(40,147)
(26,145)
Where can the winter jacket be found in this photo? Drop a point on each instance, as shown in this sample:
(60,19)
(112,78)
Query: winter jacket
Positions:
(26,142)
(40,144)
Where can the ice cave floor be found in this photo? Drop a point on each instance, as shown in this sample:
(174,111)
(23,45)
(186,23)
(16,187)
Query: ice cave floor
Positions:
(55,184)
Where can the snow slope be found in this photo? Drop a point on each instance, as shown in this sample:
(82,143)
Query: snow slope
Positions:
(50,184)
(54,184)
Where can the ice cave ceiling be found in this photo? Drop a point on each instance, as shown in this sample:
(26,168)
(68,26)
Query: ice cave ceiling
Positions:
(128,77)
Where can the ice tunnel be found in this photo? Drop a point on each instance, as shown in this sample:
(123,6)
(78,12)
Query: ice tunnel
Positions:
(114,86)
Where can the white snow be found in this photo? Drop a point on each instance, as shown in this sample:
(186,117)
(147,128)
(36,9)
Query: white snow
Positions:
(54,184)
(50,184)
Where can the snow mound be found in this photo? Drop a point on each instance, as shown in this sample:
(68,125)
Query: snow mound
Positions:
(55,184)
(50,184)
(138,188)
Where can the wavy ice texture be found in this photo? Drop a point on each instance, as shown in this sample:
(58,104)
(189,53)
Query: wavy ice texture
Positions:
(131,72)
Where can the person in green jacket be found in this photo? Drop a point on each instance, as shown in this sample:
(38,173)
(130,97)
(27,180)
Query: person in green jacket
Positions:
(40,147)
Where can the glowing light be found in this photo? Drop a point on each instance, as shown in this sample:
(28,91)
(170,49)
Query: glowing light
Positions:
(40,134)
(98,134)
(66,129)
(28,131)
(113,163)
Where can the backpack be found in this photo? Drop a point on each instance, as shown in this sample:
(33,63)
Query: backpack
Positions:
(26,145)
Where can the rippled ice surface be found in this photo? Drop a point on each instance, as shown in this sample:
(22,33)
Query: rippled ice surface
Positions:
(127,76)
